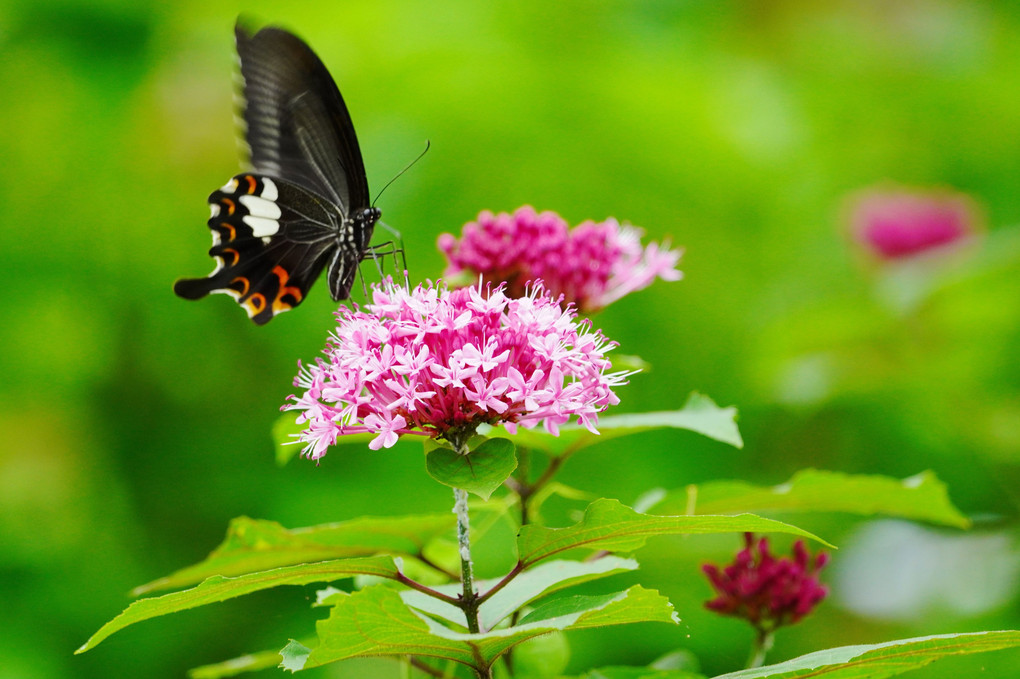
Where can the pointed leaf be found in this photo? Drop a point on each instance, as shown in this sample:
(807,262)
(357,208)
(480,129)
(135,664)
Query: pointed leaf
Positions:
(536,582)
(611,526)
(254,545)
(481,472)
(881,660)
(922,497)
(700,414)
(219,588)
(375,621)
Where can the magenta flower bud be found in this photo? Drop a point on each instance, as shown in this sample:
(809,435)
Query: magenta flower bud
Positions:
(767,591)
(895,224)
(436,362)
(591,265)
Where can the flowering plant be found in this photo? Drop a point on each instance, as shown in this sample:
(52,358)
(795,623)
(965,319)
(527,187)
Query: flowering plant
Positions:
(440,363)
(591,265)
(504,385)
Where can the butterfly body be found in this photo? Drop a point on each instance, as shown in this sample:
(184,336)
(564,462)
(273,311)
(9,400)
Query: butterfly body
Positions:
(304,206)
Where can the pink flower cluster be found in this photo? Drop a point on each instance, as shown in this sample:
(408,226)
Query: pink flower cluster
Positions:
(439,363)
(766,591)
(591,265)
(899,223)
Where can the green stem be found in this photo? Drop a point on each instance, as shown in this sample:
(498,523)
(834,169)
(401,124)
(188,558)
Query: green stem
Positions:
(763,640)
(469,599)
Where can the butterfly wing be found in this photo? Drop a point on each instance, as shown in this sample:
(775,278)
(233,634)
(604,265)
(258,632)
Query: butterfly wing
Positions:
(271,240)
(298,127)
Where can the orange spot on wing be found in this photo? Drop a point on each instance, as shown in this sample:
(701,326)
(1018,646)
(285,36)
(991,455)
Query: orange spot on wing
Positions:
(234,255)
(244,285)
(284,289)
(230,205)
(255,304)
(251,183)
(227,230)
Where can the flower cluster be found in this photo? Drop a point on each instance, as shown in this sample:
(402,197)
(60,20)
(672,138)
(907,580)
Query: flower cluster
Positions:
(591,265)
(439,363)
(766,591)
(897,224)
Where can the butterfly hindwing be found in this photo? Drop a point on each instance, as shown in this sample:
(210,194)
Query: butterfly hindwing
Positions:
(271,240)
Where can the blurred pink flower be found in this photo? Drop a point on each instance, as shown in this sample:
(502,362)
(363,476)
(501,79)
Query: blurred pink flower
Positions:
(899,223)
(439,363)
(766,591)
(592,265)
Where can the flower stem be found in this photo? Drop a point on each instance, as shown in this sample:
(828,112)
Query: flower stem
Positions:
(469,599)
(762,644)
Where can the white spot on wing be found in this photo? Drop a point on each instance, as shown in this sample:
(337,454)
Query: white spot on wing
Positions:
(261,207)
(230,186)
(262,227)
(214,210)
(269,190)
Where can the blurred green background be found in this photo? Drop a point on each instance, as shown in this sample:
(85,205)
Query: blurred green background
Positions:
(136,424)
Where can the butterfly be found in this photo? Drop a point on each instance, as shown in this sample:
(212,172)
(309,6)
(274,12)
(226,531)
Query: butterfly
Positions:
(304,205)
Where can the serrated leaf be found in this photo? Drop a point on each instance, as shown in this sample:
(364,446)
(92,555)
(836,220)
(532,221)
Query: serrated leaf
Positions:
(922,497)
(700,414)
(528,586)
(219,588)
(254,545)
(481,472)
(375,621)
(878,661)
(611,526)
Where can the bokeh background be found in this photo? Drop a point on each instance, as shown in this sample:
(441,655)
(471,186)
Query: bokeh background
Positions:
(135,424)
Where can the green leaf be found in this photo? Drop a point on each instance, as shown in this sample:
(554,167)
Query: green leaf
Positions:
(700,414)
(254,545)
(481,471)
(611,526)
(375,621)
(543,657)
(295,655)
(219,588)
(640,673)
(285,430)
(536,582)
(922,497)
(251,662)
(881,660)
(629,362)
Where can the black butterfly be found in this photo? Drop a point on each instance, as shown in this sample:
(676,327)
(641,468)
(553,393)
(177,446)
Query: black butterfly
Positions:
(304,205)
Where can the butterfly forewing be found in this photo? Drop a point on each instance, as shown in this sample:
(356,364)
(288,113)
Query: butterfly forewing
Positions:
(298,126)
(305,204)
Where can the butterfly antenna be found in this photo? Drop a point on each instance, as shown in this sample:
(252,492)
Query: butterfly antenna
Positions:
(428,144)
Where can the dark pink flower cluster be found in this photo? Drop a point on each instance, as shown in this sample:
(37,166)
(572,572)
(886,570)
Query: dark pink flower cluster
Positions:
(591,265)
(439,363)
(899,223)
(766,591)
